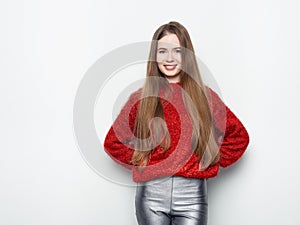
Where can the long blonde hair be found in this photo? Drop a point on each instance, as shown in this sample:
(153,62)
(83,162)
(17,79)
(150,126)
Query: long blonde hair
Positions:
(150,106)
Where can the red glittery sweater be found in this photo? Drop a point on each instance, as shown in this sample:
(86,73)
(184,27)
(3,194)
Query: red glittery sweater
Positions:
(178,160)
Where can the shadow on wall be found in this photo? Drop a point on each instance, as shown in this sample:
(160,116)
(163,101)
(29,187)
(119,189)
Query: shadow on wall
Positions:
(226,174)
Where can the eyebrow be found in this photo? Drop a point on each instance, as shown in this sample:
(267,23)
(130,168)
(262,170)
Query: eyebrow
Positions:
(166,48)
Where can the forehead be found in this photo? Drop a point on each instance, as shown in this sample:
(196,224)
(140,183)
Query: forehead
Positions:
(168,41)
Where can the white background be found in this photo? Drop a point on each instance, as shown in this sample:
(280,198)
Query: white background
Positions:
(252,49)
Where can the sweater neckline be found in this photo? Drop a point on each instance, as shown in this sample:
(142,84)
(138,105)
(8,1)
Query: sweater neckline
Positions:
(172,83)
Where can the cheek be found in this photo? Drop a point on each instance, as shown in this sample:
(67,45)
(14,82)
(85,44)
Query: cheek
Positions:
(160,66)
(159,58)
(178,58)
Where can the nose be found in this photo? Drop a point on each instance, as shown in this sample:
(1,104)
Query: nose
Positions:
(170,57)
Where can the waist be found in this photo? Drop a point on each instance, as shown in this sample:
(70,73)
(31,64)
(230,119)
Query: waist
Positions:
(153,174)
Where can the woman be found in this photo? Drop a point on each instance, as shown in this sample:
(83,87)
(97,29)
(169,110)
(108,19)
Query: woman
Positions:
(174,133)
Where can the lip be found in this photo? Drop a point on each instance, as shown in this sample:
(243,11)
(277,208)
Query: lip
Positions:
(170,66)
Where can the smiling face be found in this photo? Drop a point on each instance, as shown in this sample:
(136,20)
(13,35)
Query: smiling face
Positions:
(168,57)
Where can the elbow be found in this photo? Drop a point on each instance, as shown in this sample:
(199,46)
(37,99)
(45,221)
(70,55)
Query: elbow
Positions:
(108,142)
(245,137)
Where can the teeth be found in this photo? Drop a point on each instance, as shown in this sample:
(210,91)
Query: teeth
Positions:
(170,67)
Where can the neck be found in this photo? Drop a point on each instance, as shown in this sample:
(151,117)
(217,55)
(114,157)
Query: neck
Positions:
(173,79)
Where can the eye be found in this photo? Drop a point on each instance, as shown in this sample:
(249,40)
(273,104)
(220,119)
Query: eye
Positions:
(178,50)
(161,51)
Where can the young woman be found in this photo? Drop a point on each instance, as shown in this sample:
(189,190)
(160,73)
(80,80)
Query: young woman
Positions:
(174,133)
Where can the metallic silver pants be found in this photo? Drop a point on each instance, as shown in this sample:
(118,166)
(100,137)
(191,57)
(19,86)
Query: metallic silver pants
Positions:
(172,200)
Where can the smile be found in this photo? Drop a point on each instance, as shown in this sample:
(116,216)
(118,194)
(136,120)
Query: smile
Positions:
(170,67)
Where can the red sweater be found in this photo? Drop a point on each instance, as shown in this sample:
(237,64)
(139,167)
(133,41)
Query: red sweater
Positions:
(178,160)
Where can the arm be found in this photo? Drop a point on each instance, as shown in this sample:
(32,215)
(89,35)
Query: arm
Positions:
(117,140)
(235,136)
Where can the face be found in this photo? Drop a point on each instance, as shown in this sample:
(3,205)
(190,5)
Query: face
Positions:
(168,57)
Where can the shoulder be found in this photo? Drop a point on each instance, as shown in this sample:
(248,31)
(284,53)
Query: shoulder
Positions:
(133,101)
(212,97)
(218,108)
(136,95)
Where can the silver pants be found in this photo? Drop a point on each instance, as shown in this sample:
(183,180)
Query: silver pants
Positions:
(172,200)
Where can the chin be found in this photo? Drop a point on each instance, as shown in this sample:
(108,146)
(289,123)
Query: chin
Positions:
(171,73)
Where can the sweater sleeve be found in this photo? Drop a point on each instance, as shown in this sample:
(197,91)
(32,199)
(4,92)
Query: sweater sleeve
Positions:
(118,138)
(230,128)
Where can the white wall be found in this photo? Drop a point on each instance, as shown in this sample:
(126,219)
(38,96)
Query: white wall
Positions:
(251,48)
